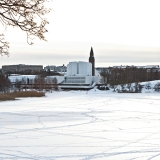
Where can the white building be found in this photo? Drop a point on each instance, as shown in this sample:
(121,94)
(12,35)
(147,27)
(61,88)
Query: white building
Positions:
(79,76)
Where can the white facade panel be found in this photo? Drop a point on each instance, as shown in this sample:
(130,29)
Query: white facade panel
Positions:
(89,80)
(72,68)
(89,69)
(79,68)
(79,80)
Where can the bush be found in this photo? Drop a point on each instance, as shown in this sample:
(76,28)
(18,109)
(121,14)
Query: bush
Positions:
(103,88)
(28,94)
(14,95)
(6,97)
(157,87)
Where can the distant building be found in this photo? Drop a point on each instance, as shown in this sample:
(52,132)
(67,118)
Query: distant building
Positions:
(20,68)
(53,68)
(50,68)
(81,75)
(153,68)
(62,68)
(102,69)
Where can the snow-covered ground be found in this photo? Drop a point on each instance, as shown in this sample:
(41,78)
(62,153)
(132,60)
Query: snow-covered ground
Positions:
(14,78)
(81,125)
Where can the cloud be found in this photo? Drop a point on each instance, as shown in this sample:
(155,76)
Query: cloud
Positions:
(59,53)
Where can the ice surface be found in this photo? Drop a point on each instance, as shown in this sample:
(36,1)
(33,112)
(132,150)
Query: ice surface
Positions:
(81,125)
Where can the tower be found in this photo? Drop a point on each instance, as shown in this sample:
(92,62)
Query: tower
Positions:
(91,60)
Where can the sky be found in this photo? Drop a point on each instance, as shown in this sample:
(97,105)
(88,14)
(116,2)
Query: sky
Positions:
(121,32)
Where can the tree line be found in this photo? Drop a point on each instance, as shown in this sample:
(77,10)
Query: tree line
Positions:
(126,76)
(115,76)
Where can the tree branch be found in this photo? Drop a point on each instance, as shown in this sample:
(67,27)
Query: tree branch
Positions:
(4,46)
(28,15)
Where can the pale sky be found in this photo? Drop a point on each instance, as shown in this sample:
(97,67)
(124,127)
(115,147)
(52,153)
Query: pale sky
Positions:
(121,32)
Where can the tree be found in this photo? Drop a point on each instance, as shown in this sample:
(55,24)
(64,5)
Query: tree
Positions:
(157,87)
(18,85)
(55,84)
(40,82)
(138,87)
(129,86)
(148,86)
(104,75)
(4,83)
(28,15)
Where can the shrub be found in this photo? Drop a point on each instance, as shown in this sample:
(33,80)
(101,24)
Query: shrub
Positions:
(28,94)
(14,95)
(6,97)
(157,87)
(148,86)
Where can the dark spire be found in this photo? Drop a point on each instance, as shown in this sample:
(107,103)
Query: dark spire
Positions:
(91,52)
(92,60)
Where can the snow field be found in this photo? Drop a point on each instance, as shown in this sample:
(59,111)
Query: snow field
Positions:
(81,125)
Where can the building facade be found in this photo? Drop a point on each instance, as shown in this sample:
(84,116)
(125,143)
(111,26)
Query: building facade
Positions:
(53,68)
(62,68)
(79,76)
(21,68)
(50,68)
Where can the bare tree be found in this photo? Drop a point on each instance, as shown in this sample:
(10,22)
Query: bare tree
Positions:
(129,86)
(39,82)
(4,83)
(18,85)
(104,77)
(137,87)
(55,84)
(28,15)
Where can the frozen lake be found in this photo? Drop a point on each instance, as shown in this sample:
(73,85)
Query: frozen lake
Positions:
(80,125)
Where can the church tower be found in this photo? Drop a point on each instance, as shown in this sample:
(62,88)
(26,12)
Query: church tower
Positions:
(91,60)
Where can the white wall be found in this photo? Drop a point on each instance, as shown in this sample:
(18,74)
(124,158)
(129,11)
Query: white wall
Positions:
(72,68)
(85,68)
(81,79)
(79,68)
